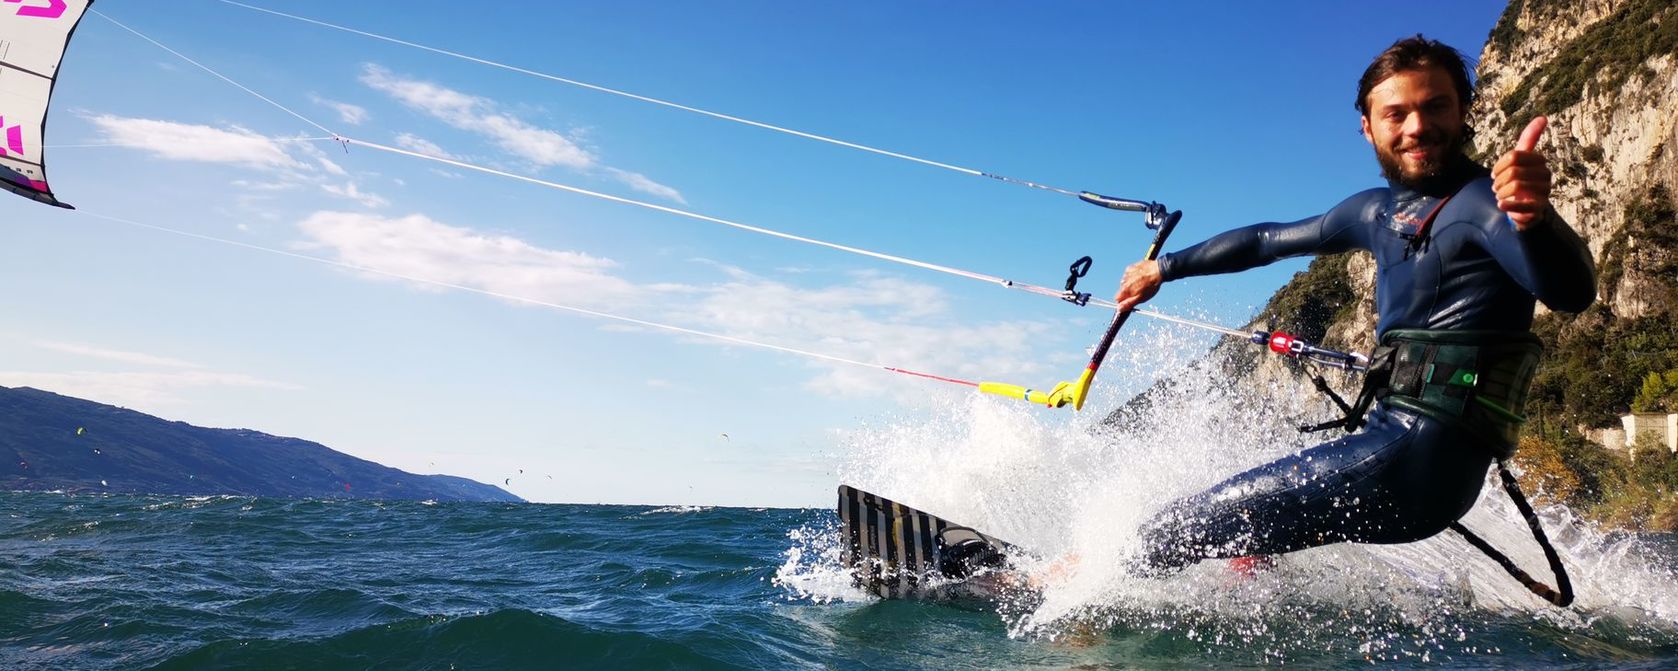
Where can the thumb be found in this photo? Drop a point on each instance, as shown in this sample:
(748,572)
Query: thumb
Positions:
(1529,137)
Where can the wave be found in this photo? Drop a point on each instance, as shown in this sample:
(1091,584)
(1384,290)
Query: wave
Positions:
(503,639)
(677,510)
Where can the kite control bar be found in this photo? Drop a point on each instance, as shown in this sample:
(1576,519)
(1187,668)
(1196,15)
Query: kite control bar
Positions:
(1162,223)
(1125,204)
(1155,213)
(1158,220)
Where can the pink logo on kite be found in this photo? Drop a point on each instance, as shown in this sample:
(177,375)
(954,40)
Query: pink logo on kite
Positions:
(14,138)
(53,10)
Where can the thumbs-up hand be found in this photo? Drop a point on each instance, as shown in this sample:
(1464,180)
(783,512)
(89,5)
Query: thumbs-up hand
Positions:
(1521,178)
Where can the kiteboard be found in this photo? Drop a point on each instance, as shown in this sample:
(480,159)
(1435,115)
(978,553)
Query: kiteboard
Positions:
(897,552)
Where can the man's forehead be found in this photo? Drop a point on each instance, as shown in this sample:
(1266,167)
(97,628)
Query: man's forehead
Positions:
(1412,85)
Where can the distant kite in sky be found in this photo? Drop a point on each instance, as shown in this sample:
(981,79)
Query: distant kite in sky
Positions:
(32,42)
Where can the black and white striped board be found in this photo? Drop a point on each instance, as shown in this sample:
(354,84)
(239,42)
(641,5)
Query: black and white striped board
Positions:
(893,550)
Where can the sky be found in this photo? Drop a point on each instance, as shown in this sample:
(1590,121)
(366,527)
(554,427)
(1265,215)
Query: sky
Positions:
(1235,113)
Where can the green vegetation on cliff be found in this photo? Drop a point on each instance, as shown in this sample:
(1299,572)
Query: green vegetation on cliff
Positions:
(1594,364)
(1608,53)
(1646,246)
(1659,393)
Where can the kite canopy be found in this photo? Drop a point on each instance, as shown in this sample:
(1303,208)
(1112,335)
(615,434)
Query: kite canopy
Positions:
(33,34)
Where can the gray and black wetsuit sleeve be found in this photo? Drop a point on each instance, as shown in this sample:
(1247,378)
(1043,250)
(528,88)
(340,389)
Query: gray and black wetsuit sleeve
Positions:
(1343,228)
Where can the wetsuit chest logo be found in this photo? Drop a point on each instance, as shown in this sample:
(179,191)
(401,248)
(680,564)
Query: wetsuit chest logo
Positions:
(1409,218)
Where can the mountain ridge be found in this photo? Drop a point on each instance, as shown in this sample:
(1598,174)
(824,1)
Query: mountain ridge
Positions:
(49,441)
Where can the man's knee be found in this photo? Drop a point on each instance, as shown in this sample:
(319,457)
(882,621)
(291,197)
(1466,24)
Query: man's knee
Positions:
(1167,544)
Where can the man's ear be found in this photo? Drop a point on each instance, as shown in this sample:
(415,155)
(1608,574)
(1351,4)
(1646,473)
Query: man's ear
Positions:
(1366,134)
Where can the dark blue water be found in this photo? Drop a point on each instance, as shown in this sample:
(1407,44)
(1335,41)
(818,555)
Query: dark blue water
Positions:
(131,582)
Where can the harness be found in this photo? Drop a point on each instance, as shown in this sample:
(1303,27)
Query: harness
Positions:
(1472,380)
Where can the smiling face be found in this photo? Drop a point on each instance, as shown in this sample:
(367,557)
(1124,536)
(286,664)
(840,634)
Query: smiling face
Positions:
(1415,123)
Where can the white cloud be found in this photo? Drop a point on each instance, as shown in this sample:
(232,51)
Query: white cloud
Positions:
(190,142)
(237,146)
(330,167)
(264,186)
(350,114)
(418,247)
(351,191)
(870,318)
(874,320)
(541,146)
(114,355)
(419,144)
(150,391)
(639,182)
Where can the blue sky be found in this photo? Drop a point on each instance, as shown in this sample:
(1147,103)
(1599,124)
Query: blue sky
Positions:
(1233,112)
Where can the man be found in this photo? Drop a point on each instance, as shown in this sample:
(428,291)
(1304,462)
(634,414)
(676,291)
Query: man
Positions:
(1461,254)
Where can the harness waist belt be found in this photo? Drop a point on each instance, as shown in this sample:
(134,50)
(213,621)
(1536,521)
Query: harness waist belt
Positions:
(1475,380)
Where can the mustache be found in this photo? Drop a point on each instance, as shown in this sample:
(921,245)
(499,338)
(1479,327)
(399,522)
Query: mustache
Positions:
(1428,141)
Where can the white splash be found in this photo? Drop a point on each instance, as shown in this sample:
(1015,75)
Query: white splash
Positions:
(1068,485)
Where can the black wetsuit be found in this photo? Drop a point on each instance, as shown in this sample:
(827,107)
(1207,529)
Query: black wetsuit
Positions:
(1404,477)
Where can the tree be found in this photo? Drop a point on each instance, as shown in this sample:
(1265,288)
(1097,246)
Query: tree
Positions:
(1659,393)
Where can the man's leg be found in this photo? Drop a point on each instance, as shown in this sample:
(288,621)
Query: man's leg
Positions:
(1400,480)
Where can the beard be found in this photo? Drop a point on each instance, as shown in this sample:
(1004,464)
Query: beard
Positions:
(1447,145)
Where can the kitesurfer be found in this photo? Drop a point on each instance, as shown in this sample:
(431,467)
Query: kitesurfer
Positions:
(1461,252)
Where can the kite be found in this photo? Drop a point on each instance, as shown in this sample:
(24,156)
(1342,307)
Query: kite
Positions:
(33,36)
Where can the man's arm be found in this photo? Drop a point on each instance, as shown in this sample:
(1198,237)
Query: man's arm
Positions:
(1529,240)
(1344,228)
(1546,258)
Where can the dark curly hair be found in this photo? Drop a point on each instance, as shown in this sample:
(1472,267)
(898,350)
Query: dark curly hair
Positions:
(1415,53)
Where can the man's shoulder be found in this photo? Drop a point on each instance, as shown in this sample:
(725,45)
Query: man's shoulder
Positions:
(1476,202)
(1477,191)
(1378,194)
(1365,205)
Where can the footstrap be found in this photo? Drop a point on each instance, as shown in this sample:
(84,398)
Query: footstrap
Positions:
(1562,594)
